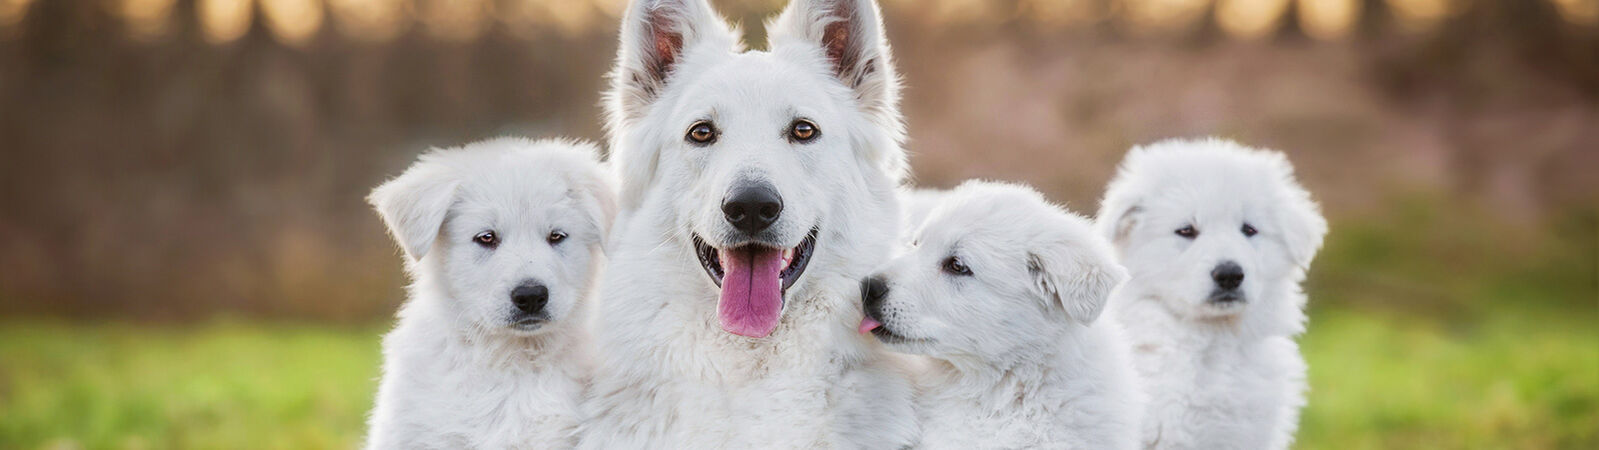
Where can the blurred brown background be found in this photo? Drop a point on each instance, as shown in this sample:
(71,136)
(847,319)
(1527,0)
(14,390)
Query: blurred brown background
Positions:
(180,159)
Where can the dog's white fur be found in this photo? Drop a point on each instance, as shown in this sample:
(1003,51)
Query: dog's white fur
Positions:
(1220,375)
(672,377)
(1018,359)
(459,372)
(914,204)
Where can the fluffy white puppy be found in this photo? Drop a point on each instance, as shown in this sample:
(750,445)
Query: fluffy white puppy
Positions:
(502,239)
(1001,290)
(1217,238)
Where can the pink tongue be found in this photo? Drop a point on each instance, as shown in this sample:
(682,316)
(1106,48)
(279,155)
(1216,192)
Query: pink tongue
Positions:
(752,294)
(867,325)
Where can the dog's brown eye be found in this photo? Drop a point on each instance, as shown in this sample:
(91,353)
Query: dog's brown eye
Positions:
(1188,231)
(555,237)
(487,239)
(702,133)
(1249,230)
(954,266)
(803,131)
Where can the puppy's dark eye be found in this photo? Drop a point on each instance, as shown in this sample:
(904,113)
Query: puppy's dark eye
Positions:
(702,133)
(555,237)
(487,239)
(1188,231)
(803,131)
(954,266)
(1249,230)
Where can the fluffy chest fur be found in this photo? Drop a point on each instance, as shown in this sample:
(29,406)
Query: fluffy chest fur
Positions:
(1082,396)
(1211,387)
(441,390)
(672,378)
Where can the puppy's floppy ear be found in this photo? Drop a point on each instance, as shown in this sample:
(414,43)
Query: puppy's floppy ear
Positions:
(655,36)
(1076,273)
(414,205)
(850,35)
(598,187)
(1303,225)
(1123,225)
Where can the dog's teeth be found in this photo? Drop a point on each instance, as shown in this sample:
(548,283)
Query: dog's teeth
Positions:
(788,256)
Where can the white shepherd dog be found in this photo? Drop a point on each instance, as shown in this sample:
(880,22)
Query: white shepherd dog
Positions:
(1002,289)
(757,189)
(1217,238)
(502,239)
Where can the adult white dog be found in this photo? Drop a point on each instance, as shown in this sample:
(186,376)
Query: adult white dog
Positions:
(1217,238)
(758,188)
(1002,289)
(502,239)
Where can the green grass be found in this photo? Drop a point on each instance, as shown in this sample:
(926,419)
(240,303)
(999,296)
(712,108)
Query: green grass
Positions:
(1378,380)
(224,385)
(1506,382)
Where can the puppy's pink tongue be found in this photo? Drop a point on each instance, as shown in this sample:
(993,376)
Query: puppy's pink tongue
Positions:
(867,325)
(752,296)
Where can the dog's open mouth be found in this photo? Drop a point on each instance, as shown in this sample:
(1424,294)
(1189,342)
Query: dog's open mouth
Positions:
(753,278)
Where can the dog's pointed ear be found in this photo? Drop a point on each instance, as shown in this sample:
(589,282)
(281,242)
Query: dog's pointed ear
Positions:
(414,204)
(1076,274)
(655,36)
(849,34)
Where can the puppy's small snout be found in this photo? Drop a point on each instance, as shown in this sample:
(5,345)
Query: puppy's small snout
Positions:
(752,208)
(1228,275)
(530,297)
(873,290)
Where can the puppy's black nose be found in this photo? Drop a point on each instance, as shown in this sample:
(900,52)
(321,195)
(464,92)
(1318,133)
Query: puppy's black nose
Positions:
(873,290)
(530,297)
(1228,275)
(752,208)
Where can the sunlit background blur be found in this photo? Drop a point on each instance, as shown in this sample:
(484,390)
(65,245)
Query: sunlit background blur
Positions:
(186,259)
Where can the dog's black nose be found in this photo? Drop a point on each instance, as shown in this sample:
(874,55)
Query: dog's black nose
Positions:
(530,297)
(752,208)
(1228,275)
(873,290)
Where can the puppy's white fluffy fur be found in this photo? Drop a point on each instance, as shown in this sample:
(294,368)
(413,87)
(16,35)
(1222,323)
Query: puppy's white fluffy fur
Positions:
(914,204)
(465,368)
(1221,367)
(673,378)
(1001,290)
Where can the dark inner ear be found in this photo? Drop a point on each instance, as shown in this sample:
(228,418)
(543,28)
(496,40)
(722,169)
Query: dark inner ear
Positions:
(667,42)
(836,42)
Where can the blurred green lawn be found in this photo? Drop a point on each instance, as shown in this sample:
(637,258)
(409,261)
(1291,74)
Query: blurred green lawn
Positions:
(1377,382)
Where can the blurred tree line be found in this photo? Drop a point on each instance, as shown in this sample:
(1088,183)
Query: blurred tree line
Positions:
(157,171)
